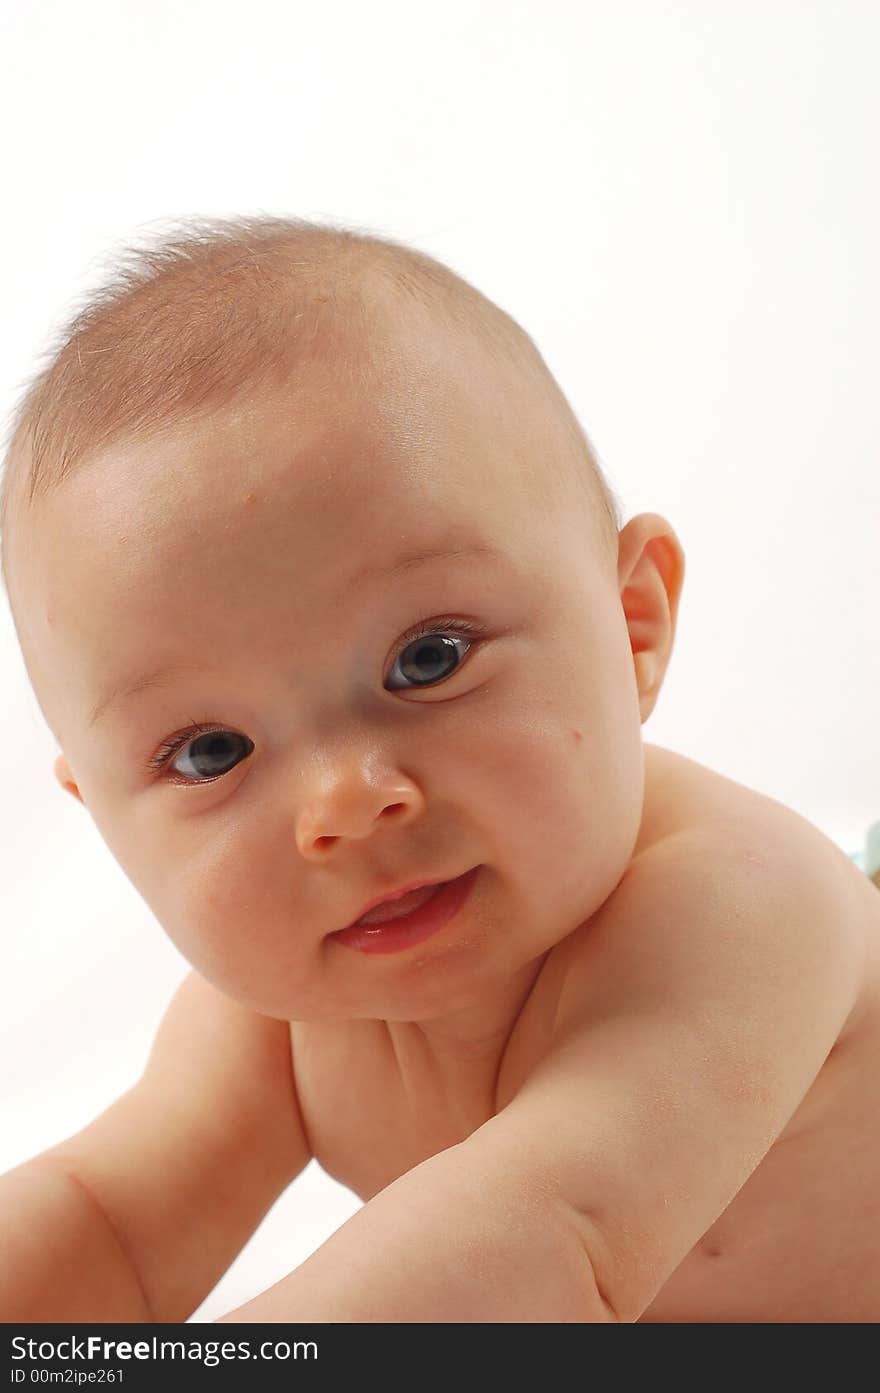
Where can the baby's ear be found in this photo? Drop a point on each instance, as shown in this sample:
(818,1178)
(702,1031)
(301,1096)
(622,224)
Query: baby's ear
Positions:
(650,574)
(64,776)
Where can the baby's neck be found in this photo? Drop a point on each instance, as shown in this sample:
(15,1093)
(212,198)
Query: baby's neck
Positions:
(461,1054)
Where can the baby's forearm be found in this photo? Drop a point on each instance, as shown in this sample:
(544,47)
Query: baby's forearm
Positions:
(453,1240)
(60,1259)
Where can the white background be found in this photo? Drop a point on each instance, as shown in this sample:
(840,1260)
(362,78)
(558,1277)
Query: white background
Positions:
(678,201)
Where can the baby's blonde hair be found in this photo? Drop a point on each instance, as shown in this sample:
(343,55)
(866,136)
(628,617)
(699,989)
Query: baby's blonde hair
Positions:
(216,308)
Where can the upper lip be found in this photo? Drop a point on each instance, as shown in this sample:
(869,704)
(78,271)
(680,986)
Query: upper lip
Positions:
(392,895)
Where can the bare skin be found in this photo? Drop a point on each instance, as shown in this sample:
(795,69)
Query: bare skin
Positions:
(797,1243)
(646,1036)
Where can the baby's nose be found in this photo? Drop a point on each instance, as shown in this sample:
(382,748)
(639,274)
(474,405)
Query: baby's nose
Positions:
(347,812)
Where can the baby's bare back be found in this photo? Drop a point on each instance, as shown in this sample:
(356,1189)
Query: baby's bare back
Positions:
(799,1242)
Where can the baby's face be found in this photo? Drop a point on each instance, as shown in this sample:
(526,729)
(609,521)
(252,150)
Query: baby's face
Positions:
(259,574)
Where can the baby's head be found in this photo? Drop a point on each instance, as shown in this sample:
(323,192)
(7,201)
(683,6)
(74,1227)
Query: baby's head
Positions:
(259,466)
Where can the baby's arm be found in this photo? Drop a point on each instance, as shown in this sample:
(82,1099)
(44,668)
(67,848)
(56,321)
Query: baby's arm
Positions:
(137,1216)
(699,1005)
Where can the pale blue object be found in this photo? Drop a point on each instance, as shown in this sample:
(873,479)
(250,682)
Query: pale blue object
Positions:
(868,860)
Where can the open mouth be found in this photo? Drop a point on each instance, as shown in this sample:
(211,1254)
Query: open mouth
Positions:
(397,924)
(400,905)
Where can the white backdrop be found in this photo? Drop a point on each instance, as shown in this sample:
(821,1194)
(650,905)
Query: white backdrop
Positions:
(678,201)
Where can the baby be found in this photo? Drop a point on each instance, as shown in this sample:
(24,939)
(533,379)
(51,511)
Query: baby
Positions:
(323,594)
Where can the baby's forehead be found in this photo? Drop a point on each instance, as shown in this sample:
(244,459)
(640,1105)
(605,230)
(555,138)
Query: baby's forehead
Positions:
(264,484)
(438,444)
(413,439)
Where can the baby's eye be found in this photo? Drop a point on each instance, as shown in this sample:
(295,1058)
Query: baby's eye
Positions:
(428,659)
(207,756)
(200,756)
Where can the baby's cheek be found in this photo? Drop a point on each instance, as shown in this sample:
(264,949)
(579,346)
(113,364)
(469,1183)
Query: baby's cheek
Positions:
(181,894)
(570,795)
(534,772)
(236,913)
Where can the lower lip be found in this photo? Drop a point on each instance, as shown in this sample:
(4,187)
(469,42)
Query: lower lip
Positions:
(410,929)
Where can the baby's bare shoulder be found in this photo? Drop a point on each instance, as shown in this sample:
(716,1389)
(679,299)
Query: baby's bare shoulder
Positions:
(682,795)
(718,873)
(700,823)
(723,879)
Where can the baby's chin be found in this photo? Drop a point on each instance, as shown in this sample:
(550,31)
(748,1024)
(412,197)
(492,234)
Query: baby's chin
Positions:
(433,984)
(463,955)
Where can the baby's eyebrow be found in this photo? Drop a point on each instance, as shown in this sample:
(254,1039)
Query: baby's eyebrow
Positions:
(449,551)
(140,684)
(417,557)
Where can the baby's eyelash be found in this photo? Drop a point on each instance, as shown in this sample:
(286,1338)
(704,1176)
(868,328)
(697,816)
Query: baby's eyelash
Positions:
(438,626)
(446,624)
(176,742)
